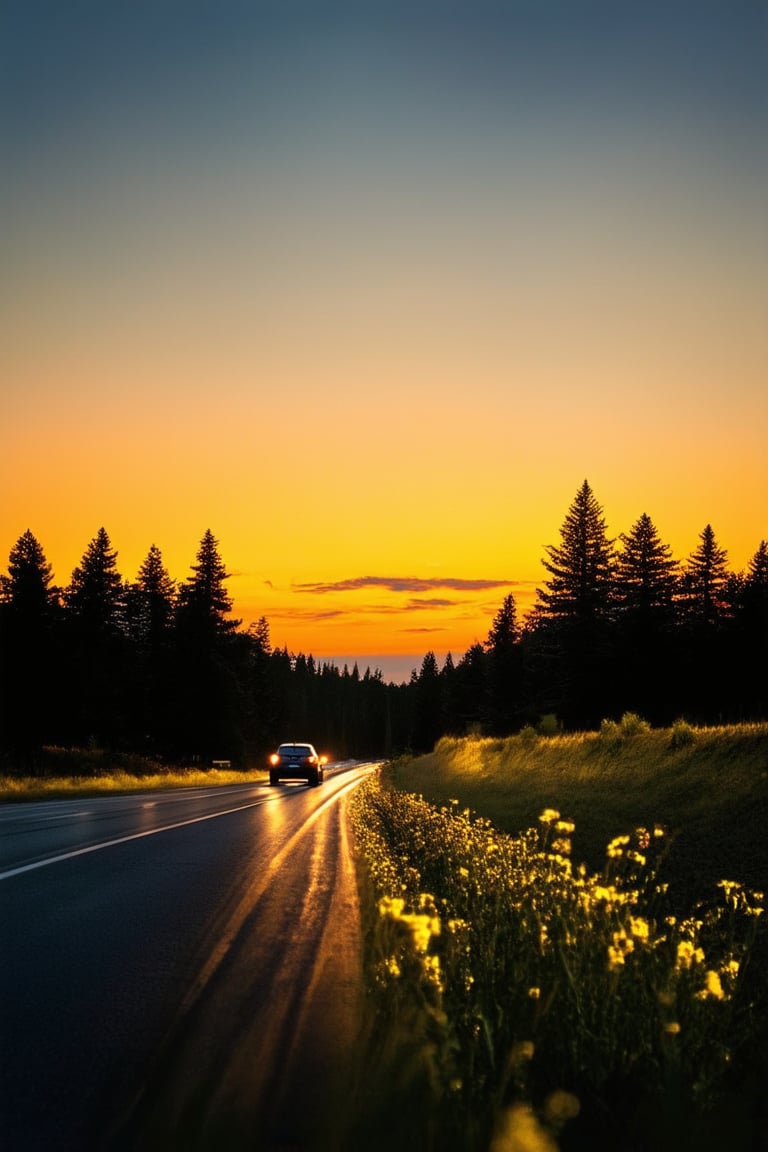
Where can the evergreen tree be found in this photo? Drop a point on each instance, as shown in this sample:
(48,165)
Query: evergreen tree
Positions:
(204,602)
(646,584)
(646,575)
(27,587)
(427,714)
(211,695)
(503,658)
(574,613)
(95,593)
(580,586)
(28,651)
(154,595)
(471,690)
(706,681)
(149,610)
(99,686)
(704,579)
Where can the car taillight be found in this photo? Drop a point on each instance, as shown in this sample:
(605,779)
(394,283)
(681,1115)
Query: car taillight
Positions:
(312,759)
(274,758)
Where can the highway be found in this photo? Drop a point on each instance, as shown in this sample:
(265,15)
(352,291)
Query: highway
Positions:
(179,970)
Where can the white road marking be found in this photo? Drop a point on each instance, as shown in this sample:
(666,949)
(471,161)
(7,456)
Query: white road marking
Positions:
(122,840)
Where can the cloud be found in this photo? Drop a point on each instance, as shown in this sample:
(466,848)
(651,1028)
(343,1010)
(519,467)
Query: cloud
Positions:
(403,584)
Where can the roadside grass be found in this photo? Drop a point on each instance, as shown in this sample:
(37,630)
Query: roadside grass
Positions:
(64,773)
(707,786)
(522,999)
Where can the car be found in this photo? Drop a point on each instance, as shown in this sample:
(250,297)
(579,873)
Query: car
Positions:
(297,762)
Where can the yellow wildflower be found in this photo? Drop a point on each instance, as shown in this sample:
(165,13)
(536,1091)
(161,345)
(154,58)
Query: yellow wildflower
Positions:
(639,927)
(688,955)
(713,989)
(549,816)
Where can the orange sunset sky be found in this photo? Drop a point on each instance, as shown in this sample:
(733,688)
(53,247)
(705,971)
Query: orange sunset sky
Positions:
(370,289)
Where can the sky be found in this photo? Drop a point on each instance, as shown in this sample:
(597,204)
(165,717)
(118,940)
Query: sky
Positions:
(370,289)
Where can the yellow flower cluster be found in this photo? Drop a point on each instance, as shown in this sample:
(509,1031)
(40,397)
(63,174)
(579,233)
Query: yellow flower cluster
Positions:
(512,940)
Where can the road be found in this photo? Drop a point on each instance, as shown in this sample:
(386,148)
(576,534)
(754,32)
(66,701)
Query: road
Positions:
(179,970)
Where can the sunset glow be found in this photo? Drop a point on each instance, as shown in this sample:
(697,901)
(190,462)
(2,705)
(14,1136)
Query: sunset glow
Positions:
(369,291)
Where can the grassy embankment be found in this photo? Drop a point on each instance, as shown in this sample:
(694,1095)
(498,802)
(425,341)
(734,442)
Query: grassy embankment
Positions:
(63,774)
(526,1000)
(708,787)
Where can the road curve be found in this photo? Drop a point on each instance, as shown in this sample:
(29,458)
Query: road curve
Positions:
(179,971)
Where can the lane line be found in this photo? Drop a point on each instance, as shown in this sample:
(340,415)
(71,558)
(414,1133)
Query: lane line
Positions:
(124,840)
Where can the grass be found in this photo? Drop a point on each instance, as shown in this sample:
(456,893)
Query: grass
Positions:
(540,983)
(707,786)
(63,774)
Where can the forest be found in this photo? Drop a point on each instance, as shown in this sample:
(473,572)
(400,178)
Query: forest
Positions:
(159,669)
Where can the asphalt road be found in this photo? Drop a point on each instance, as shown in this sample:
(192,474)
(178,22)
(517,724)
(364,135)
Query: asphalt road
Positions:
(179,970)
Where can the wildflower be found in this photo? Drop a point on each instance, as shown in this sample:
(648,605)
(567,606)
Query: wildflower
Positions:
(423,928)
(713,989)
(549,816)
(391,906)
(637,857)
(672,1028)
(616,847)
(643,838)
(639,927)
(534,993)
(567,827)
(687,955)
(620,948)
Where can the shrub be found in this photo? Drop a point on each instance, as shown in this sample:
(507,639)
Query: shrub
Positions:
(549,725)
(683,734)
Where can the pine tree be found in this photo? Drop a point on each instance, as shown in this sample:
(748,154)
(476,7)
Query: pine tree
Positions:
(704,578)
(211,685)
(99,686)
(646,588)
(573,651)
(28,651)
(646,575)
(157,592)
(503,655)
(427,717)
(580,587)
(95,593)
(27,587)
(204,602)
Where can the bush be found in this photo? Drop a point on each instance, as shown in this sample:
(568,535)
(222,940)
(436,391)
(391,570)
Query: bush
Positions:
(683,734)
(549,725)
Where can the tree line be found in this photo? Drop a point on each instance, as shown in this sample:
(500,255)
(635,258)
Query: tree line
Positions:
(160,669)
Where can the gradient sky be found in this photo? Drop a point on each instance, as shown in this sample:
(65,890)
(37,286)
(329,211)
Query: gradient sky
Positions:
(369,289)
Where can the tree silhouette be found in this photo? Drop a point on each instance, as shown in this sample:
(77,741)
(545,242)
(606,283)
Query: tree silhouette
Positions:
(28,651)
(149,611)
(704,577)
(204,602)
(503,656)
(211,708)
(427,705)
(580,585)
(100,657)
(574,614)
(646,576)
(95,593)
